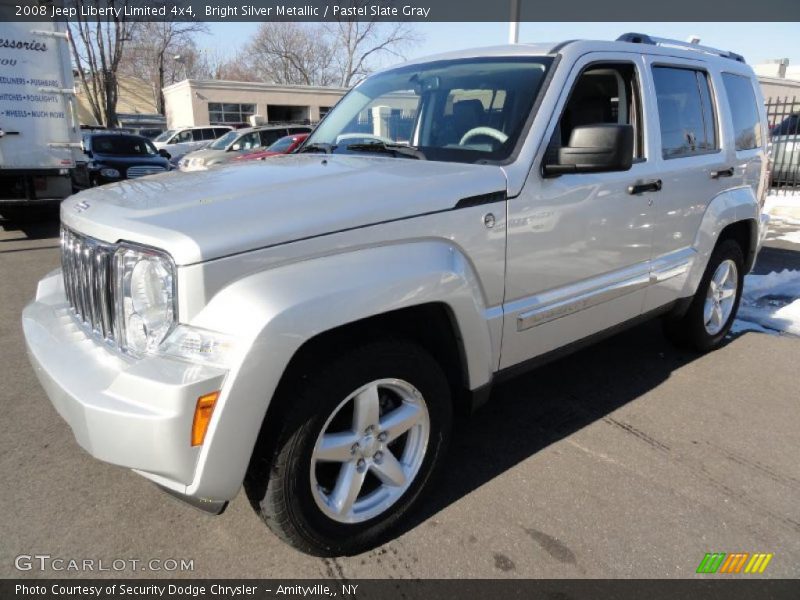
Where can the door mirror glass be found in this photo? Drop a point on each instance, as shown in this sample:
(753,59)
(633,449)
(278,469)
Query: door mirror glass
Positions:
(164,153)
(594,149)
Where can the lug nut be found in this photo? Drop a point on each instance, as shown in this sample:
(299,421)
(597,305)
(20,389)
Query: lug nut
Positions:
(382,437)
(361,465)
(355,448)
(378,458)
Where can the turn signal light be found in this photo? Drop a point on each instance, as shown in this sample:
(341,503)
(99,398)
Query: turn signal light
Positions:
(202,417)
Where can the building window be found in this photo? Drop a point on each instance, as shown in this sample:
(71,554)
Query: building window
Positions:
(324,110)
(230,113)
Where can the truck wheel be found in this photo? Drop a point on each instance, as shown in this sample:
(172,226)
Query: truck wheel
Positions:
(363,436)
(714,306)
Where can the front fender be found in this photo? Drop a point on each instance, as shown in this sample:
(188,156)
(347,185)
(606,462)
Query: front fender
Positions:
(731,206)
(273,313)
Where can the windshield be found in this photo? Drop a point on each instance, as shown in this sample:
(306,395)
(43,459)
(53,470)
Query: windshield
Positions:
(123,145)
(224,141)
(164,136)
(461,110)
(283,144)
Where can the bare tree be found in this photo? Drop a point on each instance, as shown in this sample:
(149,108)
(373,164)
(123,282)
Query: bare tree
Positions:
(340,53)
(292,53)
(361,43)
(152,53)
(97,47)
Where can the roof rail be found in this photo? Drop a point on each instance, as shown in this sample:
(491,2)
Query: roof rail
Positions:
(643,38)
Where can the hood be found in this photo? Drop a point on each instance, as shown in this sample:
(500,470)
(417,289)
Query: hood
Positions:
(208,154)
(234,208)
(258,155)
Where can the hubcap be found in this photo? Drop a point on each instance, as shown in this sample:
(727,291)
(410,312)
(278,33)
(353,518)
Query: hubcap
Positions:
(720,297)
(369,450)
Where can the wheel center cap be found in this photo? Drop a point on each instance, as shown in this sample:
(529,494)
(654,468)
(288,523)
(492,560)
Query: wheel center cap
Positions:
(368,445)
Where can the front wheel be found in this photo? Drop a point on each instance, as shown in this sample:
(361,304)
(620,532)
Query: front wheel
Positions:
(713,308)
(363,437)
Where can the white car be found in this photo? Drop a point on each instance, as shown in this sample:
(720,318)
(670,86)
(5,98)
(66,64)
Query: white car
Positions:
(178,142)
(310,324)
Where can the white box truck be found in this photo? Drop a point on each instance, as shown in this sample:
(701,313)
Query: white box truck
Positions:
(39,128)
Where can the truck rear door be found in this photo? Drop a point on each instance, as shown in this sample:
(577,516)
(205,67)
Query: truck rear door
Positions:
(38,120)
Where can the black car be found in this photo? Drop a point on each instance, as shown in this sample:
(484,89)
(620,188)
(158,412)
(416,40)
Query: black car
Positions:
(116,156)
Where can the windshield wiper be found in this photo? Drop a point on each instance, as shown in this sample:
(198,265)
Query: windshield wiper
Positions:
(394,149)
(316,147)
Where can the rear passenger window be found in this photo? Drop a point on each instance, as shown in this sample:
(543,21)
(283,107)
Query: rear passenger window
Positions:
(685,112)
(742,102)
(197,135)
(270,136)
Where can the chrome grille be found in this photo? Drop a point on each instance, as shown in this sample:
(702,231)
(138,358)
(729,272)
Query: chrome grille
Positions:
(143,170)
(88,268)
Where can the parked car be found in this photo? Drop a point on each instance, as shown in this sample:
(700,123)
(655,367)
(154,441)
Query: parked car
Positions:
(117,156)
(311,327)
(285,145)
(786,151)
(179,142)
(236,143)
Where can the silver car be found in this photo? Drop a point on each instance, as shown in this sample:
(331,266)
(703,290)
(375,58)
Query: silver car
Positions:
(236,143)
(309,325)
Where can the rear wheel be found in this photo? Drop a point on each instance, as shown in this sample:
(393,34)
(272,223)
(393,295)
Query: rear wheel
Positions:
(713,308)
(363,438)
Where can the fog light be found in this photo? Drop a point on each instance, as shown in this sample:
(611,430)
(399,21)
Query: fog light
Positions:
(202,417)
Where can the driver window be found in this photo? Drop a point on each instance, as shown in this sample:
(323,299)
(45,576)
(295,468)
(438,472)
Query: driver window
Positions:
(603,93)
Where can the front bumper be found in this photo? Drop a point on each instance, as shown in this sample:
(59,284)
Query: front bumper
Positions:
(133,413)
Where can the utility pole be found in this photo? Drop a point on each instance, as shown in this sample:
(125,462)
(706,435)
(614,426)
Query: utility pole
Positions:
(513,24)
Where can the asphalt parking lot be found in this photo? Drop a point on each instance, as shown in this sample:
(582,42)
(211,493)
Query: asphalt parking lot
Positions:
(628,459)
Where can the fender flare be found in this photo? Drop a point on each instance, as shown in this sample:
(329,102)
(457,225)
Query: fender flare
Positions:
(275,312)
(729,207)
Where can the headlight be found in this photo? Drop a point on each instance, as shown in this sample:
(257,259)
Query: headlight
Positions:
(198,162)
(146,292)
(110,173)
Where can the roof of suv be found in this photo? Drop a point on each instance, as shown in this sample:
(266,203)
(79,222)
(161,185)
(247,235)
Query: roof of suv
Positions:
(244,130)
(176,128)
(629,42)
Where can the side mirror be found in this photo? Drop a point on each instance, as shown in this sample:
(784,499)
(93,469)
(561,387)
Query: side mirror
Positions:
(594,149)
(164,153)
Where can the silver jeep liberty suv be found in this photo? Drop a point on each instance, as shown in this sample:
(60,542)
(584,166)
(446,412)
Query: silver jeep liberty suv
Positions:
(308,325)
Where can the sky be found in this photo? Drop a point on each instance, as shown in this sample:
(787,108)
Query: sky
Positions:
(758,42)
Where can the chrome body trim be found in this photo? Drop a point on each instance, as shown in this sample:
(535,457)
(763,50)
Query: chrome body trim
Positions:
(572,299)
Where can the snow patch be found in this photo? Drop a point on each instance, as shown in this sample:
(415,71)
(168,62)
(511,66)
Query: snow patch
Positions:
(770,301)
(783,206)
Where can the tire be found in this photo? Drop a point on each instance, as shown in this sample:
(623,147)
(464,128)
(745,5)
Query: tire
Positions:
(694,330)
(299,491)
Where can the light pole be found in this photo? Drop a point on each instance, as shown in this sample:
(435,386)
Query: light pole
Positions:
(513,24)
(181,60)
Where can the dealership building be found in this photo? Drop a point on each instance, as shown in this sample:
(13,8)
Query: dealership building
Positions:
(203,102)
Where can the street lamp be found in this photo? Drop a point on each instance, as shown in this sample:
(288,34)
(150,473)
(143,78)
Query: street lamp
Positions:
(513,24)
(181,60)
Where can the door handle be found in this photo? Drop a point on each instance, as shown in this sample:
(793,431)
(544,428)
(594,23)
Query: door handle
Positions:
(649,186)
(5,133)
(722,173)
